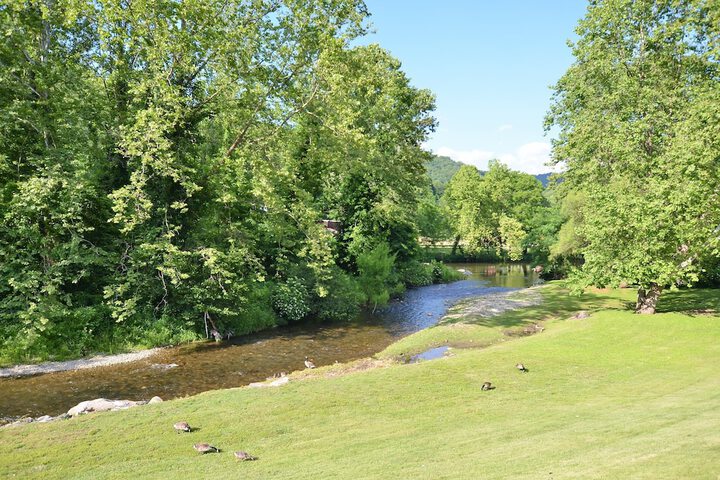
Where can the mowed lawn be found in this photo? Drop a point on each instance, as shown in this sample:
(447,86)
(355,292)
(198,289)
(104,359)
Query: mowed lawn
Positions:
(614,396)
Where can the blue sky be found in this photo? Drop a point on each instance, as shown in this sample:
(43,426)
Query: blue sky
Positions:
(490,65)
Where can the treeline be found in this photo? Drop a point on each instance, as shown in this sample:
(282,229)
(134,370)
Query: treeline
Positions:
(500,214)
(164,164)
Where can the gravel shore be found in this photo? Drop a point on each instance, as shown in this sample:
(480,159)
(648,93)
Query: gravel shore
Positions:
(97,361)
(495,304)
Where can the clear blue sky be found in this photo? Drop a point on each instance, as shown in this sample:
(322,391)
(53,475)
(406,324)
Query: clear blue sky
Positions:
(490,65)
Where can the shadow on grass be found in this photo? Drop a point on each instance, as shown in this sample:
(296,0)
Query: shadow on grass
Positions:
(557,302)
(703,300)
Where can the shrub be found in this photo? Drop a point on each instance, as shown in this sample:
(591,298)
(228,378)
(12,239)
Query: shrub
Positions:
(290,300)
(258,312)
(376,274)
(343,299)
(441,273)
(416,274)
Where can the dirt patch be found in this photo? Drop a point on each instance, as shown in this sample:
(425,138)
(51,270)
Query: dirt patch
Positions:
(341,369)
(525,331)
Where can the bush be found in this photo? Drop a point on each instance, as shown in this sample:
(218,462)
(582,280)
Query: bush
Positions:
(258,312)
(164,331)
(290,300)
(416,274)
(343,300)
(441,273)
(376,274)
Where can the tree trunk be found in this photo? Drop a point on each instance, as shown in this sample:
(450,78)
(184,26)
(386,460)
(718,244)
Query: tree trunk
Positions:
(647,299)
(455,245)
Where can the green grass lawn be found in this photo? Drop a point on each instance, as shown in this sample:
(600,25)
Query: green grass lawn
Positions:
(614,396)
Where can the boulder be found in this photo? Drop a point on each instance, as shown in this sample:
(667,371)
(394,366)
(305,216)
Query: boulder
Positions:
(100,405)
(155,400)
(275,383)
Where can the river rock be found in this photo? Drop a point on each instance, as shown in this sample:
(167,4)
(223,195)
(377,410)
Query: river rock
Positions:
(21,421)
(45,418)
(275,383)
(155,400)
(101,405)
(164,366)
(464,272)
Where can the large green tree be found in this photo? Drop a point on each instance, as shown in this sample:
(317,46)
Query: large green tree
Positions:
(165,164)
(494,210)
(637,113)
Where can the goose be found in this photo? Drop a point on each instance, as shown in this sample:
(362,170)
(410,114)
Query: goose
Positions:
(244,456)
(205,448)
(522,368)
(487,386)
(182,427)
(309,363)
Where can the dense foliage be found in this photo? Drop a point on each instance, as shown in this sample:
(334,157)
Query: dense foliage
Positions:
(502,211)
(638,114)
(167,165)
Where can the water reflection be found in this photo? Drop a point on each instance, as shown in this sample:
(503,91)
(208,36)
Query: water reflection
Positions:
(208,366)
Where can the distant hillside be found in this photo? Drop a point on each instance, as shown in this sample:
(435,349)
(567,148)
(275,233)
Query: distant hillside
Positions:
(441,170)
(544,178)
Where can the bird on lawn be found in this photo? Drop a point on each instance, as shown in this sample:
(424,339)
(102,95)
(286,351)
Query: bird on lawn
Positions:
(522,368)
(205,448)
(244,456)
(182,427)
(309,363)
(487,386)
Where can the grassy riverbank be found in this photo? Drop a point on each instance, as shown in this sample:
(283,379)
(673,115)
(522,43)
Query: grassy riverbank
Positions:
(613,396)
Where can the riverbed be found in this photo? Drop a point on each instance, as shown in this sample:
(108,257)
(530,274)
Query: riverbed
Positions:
(191,369)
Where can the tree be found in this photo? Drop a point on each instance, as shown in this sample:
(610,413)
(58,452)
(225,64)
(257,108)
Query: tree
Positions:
(495,210)
(468,208)
(375,269)
(638,144)
(163,161)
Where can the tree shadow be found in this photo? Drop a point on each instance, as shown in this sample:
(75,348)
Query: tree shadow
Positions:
(557,303)
(698,301)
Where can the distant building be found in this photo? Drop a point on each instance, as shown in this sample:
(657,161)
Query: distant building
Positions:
(333,226)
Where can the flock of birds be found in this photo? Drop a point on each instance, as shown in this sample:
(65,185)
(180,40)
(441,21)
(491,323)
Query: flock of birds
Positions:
(204,448)
(489,386)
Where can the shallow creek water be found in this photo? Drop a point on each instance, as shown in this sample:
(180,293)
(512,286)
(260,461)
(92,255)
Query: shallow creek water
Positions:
(208,366)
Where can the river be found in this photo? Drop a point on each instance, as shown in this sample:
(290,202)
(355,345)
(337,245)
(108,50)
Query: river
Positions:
(208,366)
